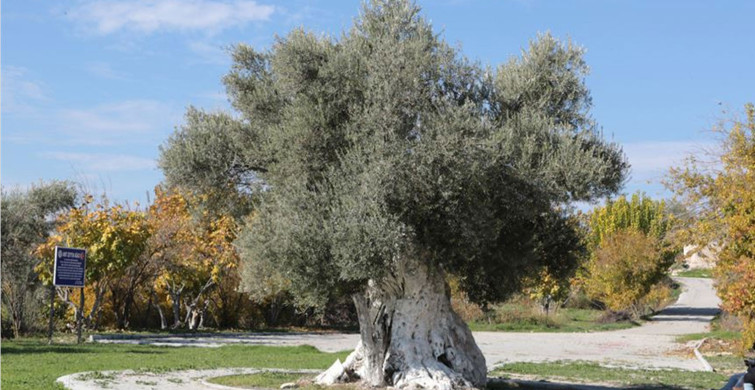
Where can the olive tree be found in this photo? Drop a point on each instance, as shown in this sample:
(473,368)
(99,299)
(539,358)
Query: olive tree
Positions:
(28,218)
(384,160)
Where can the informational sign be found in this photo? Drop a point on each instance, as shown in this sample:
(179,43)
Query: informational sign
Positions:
(70,264)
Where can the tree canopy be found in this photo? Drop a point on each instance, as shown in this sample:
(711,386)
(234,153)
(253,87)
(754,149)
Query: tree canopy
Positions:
(387,142)
(28,217)
(630,253)
(192,249)
(721,192)
(640,213)
(114,237)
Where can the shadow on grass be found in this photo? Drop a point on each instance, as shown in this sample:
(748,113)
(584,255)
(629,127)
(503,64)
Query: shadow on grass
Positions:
(28,348)
(143,352)
(32,349)
(152,332)
(509,384)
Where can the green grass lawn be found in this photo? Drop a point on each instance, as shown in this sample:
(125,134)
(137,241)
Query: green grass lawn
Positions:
(30,364)
(273,380)
(585,372)
(696,273)
(728,364)
(267,380)
(714,334)
(520,319)
(719,331)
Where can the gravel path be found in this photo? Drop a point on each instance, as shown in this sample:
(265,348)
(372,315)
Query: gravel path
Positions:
(651,345)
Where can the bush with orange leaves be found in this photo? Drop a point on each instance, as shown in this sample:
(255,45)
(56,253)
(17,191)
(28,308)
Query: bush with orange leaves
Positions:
(721,191)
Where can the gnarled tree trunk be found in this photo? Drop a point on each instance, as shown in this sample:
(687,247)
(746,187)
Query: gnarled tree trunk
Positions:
(410,336)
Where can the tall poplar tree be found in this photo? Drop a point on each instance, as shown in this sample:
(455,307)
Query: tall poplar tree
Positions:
(630,253)
(384,160)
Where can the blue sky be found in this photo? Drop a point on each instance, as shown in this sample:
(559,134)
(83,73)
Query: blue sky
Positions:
(90,89)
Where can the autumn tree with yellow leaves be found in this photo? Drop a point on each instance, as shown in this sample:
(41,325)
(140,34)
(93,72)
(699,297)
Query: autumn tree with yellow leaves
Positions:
(630,254)
(114,238)
(177,252)
(720,190)
(193,251)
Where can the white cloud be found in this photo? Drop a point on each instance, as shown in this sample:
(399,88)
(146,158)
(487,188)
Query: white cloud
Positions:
(19,92)
(109,123)
(217,96)
(102,162)
(209,53)
(652,160)
(105,71)
(148,16)
(132,122)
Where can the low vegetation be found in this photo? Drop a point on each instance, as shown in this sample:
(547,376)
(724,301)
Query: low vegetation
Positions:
(721,346)
(724,327)
(726,363)
(712,335)
(696,273)
(32,364)
(521,317)
(264,380)
(274,380)
(577,314)
(585,372)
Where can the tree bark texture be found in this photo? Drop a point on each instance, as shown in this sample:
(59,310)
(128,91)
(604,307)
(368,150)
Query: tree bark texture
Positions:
(411,337)
(195,313)
(156,303)
(175,300)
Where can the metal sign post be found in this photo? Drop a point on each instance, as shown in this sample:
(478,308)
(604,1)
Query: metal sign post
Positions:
(69,271)
(52,313)
(80,318)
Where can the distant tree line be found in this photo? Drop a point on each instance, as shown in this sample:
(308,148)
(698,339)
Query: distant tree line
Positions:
(176,264)
(172,265)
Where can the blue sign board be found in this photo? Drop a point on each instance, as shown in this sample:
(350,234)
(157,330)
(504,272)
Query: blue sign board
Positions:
(70,264)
